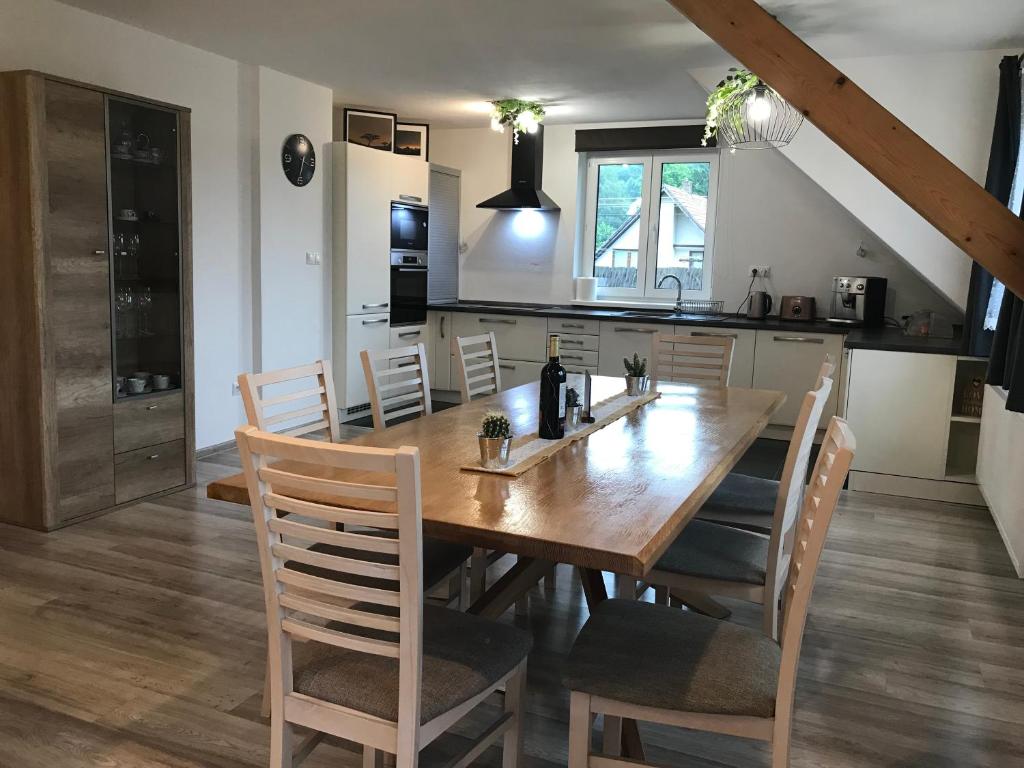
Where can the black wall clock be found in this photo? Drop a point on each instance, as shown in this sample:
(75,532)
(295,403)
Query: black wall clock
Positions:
(298,158)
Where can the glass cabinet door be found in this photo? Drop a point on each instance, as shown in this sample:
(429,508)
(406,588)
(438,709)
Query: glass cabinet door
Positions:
(145,248)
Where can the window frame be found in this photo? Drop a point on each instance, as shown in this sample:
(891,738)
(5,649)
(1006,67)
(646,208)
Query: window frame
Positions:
(648,223)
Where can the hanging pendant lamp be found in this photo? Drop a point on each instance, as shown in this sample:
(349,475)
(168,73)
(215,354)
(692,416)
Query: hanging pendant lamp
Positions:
(758,119)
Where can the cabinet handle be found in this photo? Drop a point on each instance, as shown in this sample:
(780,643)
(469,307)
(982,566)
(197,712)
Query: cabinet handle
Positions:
(411,198)
(375,306)
(506,366)
(573,325)
(442,326)
(407,334)
(572,342)
(154,456)
(623,329)
(374,322)
(152,407)
(721,335)
(502,321)
(799,339)
(99,252)
(573,357)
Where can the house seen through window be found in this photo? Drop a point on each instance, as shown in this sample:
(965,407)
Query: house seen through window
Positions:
(649,217)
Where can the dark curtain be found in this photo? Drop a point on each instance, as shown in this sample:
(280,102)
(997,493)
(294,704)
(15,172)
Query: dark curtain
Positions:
(1006,364)
(1002,161)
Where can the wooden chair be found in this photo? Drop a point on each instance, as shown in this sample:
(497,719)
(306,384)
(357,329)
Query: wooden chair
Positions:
(477,359)
(751,503)
(314,406)
(398,383)
(718,560)
(389,672)
(701,360)
(652,663)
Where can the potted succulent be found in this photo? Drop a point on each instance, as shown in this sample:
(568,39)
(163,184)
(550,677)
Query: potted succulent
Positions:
(573,407)
(636,375)
(495,439)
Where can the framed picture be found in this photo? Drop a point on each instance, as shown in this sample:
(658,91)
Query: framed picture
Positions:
(371,129)
(413,139)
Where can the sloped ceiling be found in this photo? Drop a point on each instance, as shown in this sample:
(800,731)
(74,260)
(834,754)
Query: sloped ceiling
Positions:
(594,60)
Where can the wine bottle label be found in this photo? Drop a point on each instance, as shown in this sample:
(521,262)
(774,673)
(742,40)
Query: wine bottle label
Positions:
(561,400)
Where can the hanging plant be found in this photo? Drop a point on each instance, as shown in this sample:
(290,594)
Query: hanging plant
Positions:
(521,115)
(739,82)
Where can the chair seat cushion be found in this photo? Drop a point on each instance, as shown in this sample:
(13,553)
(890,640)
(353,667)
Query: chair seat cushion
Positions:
(712,551)
(656,656)
(463,655)
(744,502)
(440,558)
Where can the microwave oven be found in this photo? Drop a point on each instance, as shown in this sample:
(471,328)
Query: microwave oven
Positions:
(408,227)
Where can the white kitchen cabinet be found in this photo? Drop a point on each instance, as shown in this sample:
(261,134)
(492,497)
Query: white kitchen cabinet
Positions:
(440,350)
(362,228)
(789,361)
(362,332)
(407,335)
(619,340)
(898,405)
(409,180)
(518,337)
(741,370)
(516,372)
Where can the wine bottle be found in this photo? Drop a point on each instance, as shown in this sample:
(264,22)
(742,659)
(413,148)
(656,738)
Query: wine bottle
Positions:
(552,394)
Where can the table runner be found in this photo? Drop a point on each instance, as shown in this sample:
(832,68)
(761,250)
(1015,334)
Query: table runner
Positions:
(530,450)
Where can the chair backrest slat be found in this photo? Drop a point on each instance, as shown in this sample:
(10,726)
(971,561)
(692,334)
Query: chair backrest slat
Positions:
(316,535)
(791,494)
(393,377)
(317,585)
(307,631)
(486,373)
(330,513)
(830,471)
(702,360)
(270,398)
(332,562)
(331,612)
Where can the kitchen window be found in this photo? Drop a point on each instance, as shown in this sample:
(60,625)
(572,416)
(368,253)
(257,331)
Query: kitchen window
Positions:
(650,216)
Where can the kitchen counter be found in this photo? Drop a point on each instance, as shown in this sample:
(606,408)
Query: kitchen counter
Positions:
(885,339)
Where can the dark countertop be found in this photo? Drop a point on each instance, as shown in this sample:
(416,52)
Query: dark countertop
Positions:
(887,339)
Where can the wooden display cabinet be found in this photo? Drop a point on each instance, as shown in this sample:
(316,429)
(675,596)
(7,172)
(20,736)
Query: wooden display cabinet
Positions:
(97,282)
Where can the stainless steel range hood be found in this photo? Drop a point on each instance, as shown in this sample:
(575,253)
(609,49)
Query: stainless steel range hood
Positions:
(527,172)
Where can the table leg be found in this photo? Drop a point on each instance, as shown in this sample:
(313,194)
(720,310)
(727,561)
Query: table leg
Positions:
(519,579)
(595,591)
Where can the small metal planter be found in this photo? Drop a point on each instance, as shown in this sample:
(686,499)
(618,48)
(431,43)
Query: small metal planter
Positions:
(494,451)
(573,414)
(636,385)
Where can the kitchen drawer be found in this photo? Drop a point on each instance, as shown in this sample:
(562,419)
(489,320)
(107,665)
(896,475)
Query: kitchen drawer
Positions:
(581,369)
(148,420)
(407,335)
(789,361)
(149,470)
(516,372)
(620,339)
(741,370)
(518,338)
(573,342)
(579,357)
(581,325)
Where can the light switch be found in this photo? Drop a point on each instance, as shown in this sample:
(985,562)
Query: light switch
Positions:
(313,258)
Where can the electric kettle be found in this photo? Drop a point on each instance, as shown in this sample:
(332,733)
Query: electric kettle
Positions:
(760,305)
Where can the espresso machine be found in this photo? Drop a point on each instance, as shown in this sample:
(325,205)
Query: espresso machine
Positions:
(858,301)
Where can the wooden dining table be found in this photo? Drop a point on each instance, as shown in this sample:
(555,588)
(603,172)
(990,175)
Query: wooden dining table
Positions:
(612,501)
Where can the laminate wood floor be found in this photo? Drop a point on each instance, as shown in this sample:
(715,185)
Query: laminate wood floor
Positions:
(137,639)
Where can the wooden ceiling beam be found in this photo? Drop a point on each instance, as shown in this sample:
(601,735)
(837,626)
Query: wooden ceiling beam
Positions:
(915,171)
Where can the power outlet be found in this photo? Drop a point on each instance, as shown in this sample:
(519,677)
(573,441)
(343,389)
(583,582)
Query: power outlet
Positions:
(762,270)
(313,258)
(235,390)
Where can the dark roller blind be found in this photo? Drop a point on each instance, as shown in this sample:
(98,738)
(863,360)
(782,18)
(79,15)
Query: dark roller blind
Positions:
(649,137)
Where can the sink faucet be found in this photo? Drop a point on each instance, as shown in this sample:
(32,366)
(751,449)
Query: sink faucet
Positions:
(679,291)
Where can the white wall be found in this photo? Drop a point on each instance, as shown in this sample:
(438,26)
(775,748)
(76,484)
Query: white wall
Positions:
(294,308)
(769,212)
(227,100)
(949,99)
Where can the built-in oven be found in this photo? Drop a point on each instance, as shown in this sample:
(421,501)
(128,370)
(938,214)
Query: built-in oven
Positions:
(408,227)
(408,287)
